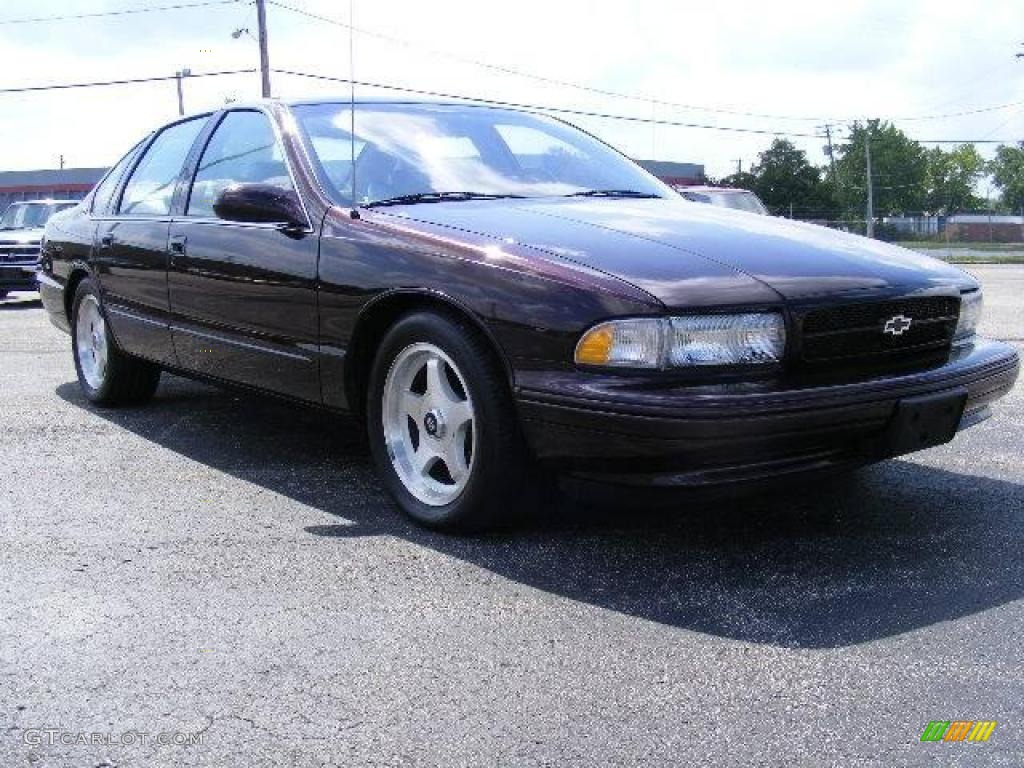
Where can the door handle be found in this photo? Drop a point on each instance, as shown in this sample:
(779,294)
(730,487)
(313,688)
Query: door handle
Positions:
(177,245)
(107,240)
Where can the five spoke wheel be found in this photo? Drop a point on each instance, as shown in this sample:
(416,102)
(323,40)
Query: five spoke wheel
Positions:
(108,376)
(91,335)
(428,421)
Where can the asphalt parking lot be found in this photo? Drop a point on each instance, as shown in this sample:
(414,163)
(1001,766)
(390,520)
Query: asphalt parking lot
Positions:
(229,569)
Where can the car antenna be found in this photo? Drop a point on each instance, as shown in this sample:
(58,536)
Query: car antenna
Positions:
(352,101)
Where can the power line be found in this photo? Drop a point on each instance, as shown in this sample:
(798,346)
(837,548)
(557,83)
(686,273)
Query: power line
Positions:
(126,81)
(541,108)
(122,12)
(1003,124)
(586,113)
(531,75)
(964,141)
(602,91)
(491,66)
(983,140)
(968,85)
(463,97)
(978,111)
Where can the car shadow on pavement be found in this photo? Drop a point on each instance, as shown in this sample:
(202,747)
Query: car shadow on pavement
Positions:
(887,550)
(12,302)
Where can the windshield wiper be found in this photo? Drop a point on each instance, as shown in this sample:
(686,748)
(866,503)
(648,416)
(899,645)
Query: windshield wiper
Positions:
(435,197)
(613,193)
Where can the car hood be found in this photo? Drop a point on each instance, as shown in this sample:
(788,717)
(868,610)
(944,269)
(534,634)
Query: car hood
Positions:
(680,252)
(20,236)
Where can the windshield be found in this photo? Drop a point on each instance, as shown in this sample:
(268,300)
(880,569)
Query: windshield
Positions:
(434,153)
(740,201)
(30,215)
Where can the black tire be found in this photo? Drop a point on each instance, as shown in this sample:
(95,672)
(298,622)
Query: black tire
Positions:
(501,461)
(127,380)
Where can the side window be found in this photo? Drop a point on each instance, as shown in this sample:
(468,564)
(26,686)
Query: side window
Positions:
(105,189)
(151,186)
(243,149)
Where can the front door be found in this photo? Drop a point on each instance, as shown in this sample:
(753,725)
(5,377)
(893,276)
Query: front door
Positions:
(243,296)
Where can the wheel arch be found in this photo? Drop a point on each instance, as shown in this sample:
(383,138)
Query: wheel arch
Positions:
(381,312)
(77,274)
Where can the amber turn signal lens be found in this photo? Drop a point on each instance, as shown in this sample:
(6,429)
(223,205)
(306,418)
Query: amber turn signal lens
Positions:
(595,347)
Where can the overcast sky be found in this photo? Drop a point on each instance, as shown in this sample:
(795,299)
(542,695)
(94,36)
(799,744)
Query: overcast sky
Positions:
(801,63)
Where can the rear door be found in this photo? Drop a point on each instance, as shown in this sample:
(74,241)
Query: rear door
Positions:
(130,251)
(243,296)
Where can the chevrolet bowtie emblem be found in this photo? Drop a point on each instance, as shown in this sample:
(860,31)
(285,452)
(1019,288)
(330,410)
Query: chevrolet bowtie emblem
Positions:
(897,326)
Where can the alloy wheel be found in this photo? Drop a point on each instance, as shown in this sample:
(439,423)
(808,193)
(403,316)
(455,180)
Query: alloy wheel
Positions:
(429,424)
(91,342)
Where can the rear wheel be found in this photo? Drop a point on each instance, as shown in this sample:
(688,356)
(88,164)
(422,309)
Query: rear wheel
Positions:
(106,375)
(442,425)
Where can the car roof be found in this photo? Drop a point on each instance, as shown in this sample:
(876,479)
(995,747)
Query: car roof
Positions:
(342,99)
(386,101)
(44,201)
(712,189)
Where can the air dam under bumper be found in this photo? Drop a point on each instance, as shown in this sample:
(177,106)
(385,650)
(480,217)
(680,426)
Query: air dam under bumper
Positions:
(637,432)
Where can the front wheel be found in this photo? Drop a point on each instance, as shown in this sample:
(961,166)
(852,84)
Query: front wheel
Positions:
(442,426)
(106,375)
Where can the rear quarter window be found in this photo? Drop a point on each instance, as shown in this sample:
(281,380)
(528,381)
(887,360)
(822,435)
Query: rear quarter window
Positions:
(103,195)
(151,186)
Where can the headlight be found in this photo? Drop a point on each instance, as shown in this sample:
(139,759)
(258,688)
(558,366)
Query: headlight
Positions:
(683,342)
(970,314)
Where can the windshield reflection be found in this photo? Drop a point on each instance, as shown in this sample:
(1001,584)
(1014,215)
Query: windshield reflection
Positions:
(427,150)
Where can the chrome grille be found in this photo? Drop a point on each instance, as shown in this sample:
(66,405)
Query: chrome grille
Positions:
(18,254)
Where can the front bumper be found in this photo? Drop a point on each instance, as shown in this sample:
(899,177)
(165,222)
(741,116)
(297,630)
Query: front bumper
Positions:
(640,432)
(18,276)
(51,291)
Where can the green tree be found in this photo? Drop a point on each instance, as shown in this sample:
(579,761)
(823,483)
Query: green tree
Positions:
(740,180)
(1007,169)
(950,179)
(782,177)
(899,169)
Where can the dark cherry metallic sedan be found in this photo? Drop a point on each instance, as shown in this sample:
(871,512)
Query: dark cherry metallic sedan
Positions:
(490,288)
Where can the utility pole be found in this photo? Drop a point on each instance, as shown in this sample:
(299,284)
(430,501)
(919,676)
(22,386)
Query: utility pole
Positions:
(62,162)
(261,20)
(830,151)
(180,75)
(739,165)
(871,195)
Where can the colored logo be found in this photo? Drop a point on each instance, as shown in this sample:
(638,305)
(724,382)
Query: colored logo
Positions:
(897,326)
(958,730)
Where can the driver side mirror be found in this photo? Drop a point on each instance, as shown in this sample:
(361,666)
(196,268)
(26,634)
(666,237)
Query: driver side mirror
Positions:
(260,204)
